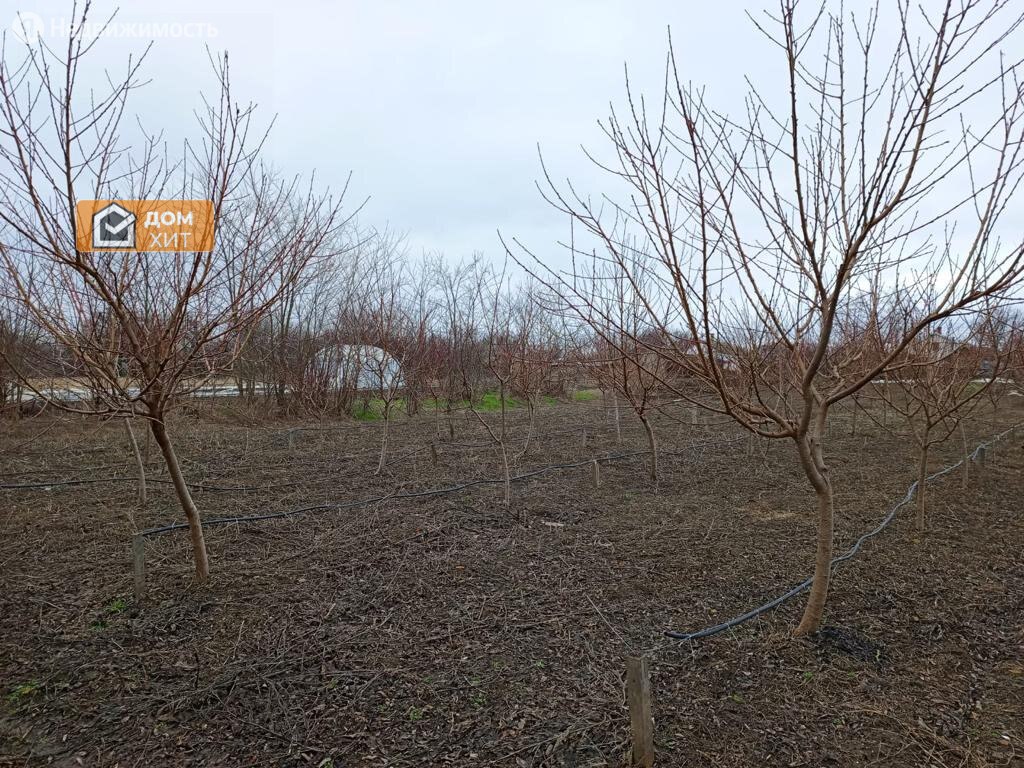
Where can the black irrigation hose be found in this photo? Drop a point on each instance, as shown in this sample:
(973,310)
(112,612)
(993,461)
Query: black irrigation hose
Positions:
(717,628)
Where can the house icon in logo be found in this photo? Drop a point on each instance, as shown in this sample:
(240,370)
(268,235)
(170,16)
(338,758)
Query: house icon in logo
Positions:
(113,226)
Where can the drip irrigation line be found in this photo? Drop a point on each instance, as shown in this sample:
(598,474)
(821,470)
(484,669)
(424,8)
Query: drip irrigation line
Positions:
(851,552)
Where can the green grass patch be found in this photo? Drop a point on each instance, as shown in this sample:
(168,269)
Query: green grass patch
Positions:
(492,402)
(489,401)
(972,388)
(22,692)
(585,395)
(117,605)
(374,410)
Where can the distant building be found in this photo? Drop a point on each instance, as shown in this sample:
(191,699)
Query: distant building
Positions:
(360,367)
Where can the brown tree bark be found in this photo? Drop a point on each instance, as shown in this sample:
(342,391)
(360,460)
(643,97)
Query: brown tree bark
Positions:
(195,523)
(384,439)
(812,461)
(508,475)
(922,480)
(531,408)
(965,477)
(652,441)
(138,463)
(618,425)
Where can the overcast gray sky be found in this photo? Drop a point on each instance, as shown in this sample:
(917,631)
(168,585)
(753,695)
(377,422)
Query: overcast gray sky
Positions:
(436,108)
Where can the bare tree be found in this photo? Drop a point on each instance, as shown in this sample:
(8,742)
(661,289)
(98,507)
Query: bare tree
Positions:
(620,355)
(455,369)
(878,161)
(501,349)
(388,321)
(135,331)
(538,345)
(938,381)
(19,341)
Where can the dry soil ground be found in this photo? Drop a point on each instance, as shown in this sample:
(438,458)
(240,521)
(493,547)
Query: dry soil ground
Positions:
(442,630)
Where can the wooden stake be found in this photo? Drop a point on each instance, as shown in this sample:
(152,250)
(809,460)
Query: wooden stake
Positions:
(597,474)
(638,696)
(139,564)
(291,439)
(433,452)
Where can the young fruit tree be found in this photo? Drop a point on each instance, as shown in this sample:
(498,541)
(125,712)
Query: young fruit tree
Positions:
(539,345)
(617,351)
(455,367)
(502,346)
(938,381)
(131,331)
(389,321)
(882,153)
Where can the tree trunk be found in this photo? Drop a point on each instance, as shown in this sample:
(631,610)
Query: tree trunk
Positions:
(653,443)
(812,460)
(965,477)
(815,609)
(922,480)
(508,477)
(531,408)
(384,439)
(615,410)
(138,463)
(501,395)
(195,524)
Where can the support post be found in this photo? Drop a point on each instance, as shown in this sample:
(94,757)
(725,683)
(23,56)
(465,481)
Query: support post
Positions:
(638,695)
(433,452)
(139,565)
(597,474)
